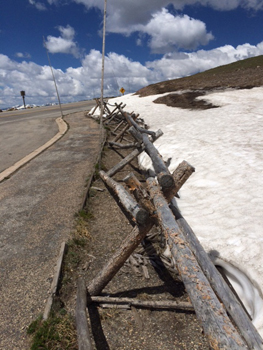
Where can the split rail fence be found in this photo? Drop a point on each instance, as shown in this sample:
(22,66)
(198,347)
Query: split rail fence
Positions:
(225,322)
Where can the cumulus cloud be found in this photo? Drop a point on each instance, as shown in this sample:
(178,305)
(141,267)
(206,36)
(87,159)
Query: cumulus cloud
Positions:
(39,5)
(166,31)
(84,82)
(119,71)
(170,32)
(22,55)
(74,84)
(51,2)
(124,16)
(64,43)
(176,65)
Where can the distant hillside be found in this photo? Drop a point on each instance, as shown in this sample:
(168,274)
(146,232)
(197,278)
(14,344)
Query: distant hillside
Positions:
(244,74)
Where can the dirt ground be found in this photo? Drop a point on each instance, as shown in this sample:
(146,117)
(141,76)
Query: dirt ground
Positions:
(138,328)
(134,328)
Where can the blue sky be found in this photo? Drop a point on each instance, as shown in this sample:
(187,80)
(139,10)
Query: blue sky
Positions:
(147,41)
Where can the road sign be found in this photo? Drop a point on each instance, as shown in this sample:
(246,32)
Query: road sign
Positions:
(122,90)
(23,93)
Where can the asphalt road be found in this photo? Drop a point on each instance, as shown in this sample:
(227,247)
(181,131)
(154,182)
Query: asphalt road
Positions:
(37,213)
(23,131)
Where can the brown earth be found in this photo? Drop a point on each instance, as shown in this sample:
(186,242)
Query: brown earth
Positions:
(244,74)
(132,329)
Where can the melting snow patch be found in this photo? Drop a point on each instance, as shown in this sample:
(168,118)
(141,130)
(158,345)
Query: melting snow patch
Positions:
(223,200)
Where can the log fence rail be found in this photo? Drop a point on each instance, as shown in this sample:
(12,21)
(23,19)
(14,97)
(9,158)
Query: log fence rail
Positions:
(225,323)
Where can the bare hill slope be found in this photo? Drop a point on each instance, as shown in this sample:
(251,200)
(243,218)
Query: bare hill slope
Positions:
(244,74)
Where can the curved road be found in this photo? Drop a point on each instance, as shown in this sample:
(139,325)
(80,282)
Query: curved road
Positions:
(23,131)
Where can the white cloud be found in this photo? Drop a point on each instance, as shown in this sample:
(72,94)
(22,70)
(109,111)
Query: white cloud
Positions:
(22,55)
(51,2)
(231,4)
(84,82)
(170,32)
(177,65)
(73,84)
(39,5)
(167,32)
(119,71)
(90,3)
(64,43)
(124,16)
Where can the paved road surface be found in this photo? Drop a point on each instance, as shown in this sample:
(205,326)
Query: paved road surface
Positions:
(37,207)
(23,131)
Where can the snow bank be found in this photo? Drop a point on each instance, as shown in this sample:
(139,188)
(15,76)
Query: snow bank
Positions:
(223,199)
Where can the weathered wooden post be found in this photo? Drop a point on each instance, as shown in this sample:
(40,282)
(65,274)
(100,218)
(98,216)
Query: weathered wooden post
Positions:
(131,156)
(220,332)
(137,216)
(222,290)
(84,340)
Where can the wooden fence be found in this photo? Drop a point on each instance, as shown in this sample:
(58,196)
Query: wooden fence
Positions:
(225,323)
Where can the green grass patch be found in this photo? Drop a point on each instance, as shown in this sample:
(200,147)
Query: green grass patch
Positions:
(98,167)
(84,214)
(56,333)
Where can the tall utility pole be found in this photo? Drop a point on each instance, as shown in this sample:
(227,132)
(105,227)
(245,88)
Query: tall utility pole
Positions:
(44,41)
(103,59)
(102,77)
